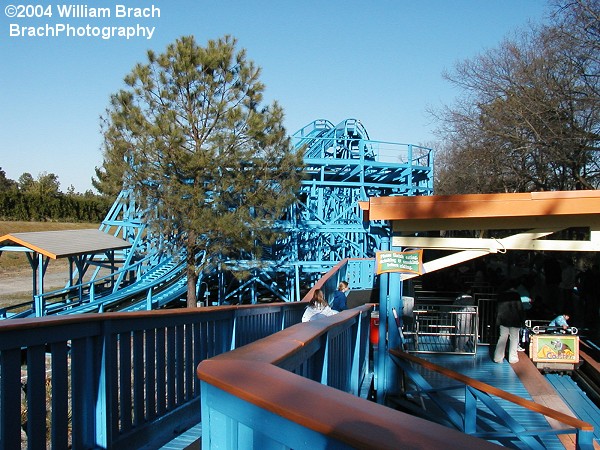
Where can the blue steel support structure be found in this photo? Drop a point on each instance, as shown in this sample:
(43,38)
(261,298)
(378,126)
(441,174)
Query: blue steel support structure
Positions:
(342,167)
(380,372)
(394,338)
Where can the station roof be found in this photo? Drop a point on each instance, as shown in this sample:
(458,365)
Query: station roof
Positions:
(534,217)
(486,211)
(65,243)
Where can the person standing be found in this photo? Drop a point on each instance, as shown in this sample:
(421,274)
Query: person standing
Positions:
(510,318)
(465,321)
(339,297)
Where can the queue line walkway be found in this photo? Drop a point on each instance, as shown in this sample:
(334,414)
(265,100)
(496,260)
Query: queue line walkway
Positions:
(522,379)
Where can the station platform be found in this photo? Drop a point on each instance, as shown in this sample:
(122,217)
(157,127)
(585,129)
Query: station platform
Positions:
(522,379)
(556,391)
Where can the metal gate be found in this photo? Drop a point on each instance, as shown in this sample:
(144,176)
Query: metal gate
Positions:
(434,328)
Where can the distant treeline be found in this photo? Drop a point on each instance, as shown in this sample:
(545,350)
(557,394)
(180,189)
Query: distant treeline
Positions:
(16,205)
(40,199)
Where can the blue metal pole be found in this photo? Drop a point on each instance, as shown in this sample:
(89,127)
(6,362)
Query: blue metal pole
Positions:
(380,358)
(394,339)
(39,287)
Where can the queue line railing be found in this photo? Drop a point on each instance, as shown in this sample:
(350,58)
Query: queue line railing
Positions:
(299,388)
(478,394)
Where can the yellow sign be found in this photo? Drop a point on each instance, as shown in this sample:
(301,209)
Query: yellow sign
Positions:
(555,348)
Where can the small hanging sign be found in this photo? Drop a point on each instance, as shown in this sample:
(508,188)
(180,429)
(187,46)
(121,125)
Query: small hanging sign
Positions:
(403,262)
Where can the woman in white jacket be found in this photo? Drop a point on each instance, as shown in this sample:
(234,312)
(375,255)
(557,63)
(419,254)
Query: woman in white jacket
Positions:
(317,307)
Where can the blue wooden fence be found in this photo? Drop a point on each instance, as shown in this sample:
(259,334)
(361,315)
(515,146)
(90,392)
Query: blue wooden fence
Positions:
(332,351)
(122,380)
(300,389)
(106,380)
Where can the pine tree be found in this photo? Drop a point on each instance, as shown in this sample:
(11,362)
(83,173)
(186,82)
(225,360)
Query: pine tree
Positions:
(215,166)
(6,183)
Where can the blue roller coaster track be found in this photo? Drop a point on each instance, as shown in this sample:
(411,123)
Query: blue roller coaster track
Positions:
(342,167)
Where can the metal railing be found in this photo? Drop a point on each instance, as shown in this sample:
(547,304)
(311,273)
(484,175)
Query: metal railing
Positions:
(488,307)
(432,328)
(478,394)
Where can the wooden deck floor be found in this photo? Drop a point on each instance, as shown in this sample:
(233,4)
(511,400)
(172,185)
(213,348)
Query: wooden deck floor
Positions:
(522,379)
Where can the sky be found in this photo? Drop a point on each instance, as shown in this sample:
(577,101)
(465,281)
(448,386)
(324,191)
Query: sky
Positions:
(379,61)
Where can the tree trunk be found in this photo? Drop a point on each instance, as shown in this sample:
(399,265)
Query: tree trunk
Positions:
(192,276)
(192,279)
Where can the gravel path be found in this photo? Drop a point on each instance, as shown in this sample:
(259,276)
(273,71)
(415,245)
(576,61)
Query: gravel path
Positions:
(16,284)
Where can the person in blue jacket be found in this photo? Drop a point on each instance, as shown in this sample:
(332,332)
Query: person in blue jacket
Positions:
(560,321)
(339,297)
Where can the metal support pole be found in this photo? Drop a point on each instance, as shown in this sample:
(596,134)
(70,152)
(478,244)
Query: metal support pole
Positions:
(381,356)
(39,301)
(394,339)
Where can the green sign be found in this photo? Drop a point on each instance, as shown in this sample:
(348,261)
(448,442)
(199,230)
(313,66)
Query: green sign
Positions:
(403,262)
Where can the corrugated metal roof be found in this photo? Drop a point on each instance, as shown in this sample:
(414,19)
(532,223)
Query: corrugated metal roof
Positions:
(64,243)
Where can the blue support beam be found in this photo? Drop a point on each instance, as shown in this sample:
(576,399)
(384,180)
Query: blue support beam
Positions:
(380,367)
(342,166)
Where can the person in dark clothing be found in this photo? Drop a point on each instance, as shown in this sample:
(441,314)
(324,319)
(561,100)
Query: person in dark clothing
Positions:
(510,318)
(339,297)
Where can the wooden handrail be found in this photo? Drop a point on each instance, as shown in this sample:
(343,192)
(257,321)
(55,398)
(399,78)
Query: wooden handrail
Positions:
(489,389)
(330,274)
(321,282)
(99,359)
(250,374)
(588,358)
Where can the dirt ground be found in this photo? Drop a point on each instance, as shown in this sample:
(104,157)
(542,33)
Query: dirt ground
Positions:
(13,284)
(16,286)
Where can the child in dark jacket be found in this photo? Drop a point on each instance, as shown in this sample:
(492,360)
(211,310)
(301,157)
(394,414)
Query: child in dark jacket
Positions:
(339,297)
